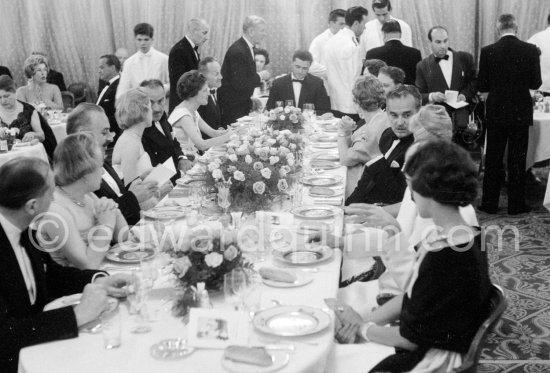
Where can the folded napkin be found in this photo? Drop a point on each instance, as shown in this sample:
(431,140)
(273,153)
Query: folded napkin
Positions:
(249,355)
(279,275)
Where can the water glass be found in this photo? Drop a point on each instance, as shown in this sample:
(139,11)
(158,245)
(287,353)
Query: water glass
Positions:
(111,328)
(253,297)
(309,111)
(137,298)
(289,103)
(235,286)
(279,104)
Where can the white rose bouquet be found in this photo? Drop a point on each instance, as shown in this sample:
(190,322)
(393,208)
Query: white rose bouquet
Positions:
(290,118)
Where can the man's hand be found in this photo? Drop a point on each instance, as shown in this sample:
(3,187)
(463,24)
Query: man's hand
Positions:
(437,97)
(143,190)
(114,285)
(185,165)
(92,303)
(461,97)
(371,215)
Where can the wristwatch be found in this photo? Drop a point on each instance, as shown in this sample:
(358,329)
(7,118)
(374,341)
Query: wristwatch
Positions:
(364,330)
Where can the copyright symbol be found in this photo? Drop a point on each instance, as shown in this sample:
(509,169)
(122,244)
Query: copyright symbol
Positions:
(49,242)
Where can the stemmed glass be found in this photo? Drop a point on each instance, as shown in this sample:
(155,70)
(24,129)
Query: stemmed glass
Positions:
(289,103)
(309,112)
(295,188)
(223,197)
(235,286)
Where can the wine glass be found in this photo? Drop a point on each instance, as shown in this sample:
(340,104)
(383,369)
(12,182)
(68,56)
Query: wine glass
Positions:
(223,197)
(309,110)
(239,284)
(289,103)
(233,288)
(279,104)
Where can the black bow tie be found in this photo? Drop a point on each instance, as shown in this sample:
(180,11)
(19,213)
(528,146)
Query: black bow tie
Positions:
(212,91)
(445,57)
(297,81)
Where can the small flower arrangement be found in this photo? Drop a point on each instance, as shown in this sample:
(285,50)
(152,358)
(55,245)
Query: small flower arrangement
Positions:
(290,118)
(9,135)
(257,166)
(203,255)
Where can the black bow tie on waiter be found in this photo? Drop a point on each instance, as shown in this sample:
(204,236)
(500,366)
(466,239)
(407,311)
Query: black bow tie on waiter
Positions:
(445,57)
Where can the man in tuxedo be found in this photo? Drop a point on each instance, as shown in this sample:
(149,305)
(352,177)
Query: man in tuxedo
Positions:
(210,113)
(394,53)
(373,36)
(109,72)
(239,71)
(445,69)
(343,61)
(300,86)
(158,140)
(87,117)
(29,278)
(507,70)
(382,180)
(184,56)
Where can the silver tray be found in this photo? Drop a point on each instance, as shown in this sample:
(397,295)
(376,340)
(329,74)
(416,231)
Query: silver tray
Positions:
(171,349)
(315,212)
(130,253)
(321,180)
(311,254)
(291,321)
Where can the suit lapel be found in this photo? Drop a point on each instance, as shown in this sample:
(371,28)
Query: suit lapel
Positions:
(436,71)
(456,72)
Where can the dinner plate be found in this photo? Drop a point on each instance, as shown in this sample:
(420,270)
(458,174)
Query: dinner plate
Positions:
(309,254)
(291,321)
(302,278)
(323,138)
(280,359)
(315,212)
(130,253)
(325,192)
(165,212)
(74,299)
(324,164)
(171,349)
(321,180)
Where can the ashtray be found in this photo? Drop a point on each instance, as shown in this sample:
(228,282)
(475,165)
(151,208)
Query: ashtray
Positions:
(171,349)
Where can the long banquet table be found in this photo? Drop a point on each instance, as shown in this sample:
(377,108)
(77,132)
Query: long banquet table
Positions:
(87,354)
(35,151)
(539,138)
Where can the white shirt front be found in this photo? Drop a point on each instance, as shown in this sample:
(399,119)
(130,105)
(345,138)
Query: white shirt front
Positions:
(343,63)
(111,81)
(14,235)
(447,68)
(297,88)
(317,48)
(374,37)
(141,66)
(542,40)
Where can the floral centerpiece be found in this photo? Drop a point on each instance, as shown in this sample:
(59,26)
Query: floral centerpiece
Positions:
(204,255)
(256,167)
(9,135)
(290,118)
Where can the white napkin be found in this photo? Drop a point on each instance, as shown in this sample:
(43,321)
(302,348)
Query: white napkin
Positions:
(161,174)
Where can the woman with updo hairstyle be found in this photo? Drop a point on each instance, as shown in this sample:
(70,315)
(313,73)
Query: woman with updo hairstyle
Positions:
(133,115)
(431,122)
(38,91)
(84,225)
(186,121)
(368,95)
(447,297)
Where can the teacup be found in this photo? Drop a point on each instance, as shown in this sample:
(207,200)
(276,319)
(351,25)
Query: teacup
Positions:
(451,96)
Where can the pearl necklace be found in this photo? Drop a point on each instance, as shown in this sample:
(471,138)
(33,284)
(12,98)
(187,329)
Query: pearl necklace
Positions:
(73,200)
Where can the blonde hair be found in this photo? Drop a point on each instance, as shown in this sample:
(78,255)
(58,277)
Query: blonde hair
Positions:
(76,156)
(435,120)
(31,63)
(132,108)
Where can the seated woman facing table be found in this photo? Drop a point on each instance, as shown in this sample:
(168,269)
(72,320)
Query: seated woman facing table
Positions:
(87,224)
(17,114)
(447,297)
(187,122)
(38,92)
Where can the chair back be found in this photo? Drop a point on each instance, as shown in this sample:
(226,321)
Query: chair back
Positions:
(68,100)
(497,306)
(79,91)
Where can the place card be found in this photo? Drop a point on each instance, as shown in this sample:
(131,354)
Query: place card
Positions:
(213,328)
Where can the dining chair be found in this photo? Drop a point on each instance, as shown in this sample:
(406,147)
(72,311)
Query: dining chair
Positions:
(68,100)
(497,305)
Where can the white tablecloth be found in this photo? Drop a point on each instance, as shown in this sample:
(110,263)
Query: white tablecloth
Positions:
(59,130)
(539,139)
(37,151)
(86,353)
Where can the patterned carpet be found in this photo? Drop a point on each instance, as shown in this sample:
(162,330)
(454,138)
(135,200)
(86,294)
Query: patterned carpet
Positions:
(520,263)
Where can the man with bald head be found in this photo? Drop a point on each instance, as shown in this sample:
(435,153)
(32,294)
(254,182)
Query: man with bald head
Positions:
(184,55)
(239,71)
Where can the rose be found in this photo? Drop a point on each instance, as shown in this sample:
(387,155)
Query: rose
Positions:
(14,131)
(242,150)
(238,175)
(258,187)
(285,169)
(282,185)
(201,244)
(248,159)
(182,265)
(231,169)
(287,109)
(289,156)
(230,253)
(282,173)
(290,162)
(292,146)
(217,174)
(213,260)
(293,118)
(283,150)
(271,141)
(273,151)
(273,160)
(233,157)
(282,117)
(266,172)
(258,166)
